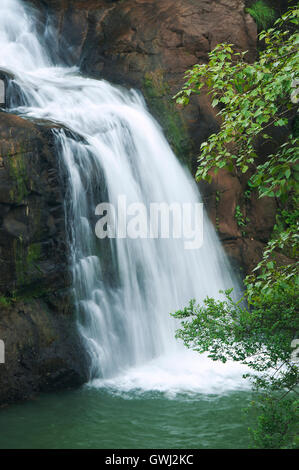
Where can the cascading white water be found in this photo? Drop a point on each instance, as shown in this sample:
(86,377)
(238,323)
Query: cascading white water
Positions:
(124,289)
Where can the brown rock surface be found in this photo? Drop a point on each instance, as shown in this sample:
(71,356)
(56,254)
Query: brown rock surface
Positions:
(244,236)
(149,44)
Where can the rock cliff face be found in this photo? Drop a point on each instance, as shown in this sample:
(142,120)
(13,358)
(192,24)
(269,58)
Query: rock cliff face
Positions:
(149,44)
(37,321)
(31,208)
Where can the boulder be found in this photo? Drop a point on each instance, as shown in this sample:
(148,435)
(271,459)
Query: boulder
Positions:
(37,319)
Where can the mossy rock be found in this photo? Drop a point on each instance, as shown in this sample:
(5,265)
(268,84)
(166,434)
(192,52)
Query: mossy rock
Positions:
(157,93)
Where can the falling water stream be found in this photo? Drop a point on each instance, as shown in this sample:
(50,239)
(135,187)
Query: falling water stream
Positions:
(110,147)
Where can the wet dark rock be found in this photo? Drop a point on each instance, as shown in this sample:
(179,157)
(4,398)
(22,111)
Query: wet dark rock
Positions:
(43,350)
(149,44)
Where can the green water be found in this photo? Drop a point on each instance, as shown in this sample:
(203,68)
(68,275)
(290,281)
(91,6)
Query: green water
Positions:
(91,418)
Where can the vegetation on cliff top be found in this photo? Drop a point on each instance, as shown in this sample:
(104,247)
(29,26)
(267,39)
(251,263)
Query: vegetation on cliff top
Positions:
(263,14)
(259,136)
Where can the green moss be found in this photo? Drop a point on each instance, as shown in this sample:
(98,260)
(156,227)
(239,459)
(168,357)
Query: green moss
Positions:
(19,260)
(26,258)
(17,171)
(33,254)
(31,292)
(25,294)
(157,92)
(263,14)
(5,301)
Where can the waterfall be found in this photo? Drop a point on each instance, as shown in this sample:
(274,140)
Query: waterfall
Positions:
(124,288)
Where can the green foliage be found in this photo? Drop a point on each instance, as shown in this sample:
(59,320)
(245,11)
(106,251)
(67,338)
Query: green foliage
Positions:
(269,271)
(5,301)
(287,221)
(275,422)
(258,331)
(253,99)
(263,15)
(254,102)
(279,175)
(240,219)
(237,330)
(256,107)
